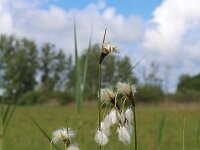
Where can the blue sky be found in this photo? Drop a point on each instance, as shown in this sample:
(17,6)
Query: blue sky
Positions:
(164,31)
(142,8)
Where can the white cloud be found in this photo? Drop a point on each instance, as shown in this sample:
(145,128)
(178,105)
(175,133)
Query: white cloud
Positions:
(5,19)
(55,24)
(171,23)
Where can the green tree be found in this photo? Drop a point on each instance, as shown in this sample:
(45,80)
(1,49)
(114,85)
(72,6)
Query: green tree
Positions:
(53,69)
(60,70)
(188,88)
(151,90)
(47,64)
(189,83)
(19,65)
(70,75)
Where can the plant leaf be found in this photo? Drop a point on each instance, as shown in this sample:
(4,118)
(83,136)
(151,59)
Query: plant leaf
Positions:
(43,132)
(86,62)
(78,82)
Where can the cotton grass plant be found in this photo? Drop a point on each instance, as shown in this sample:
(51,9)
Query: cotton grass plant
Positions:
(116,99)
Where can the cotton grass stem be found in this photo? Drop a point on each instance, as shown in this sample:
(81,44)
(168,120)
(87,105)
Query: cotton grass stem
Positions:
(135,127)
(51,145)
(1,142)
(99,100)
(99,88)
(65,146)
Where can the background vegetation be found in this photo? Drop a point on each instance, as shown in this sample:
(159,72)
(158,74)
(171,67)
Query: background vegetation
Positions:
(32,74)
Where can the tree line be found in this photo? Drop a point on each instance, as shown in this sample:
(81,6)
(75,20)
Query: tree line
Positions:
(31,73)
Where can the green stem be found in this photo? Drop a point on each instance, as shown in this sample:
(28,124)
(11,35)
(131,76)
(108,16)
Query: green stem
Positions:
(1,142)
(65,146)
(99,100)
(184,133)
(1,133)
(135,129)
(51,146)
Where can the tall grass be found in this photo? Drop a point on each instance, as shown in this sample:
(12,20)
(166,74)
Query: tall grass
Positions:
(78,78)
(80,82)
(6,113)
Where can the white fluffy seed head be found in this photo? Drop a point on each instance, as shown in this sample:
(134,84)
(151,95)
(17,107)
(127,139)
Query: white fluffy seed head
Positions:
(113,116)
(129,114)
(121,117)
(124,135)
(108,48)
(129,127)
(125,88)
(107,120)
(107,95)
(73,147)
(62,134)
(101,138)
(105,127)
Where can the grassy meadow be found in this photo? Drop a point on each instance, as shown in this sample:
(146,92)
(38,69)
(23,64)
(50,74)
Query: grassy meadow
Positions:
(22,134)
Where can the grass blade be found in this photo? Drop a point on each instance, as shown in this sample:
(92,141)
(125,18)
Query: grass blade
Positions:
(10,114)
(78,82)
(43,132)
(198,135)
(161,125)
(5,113)
(86,60)
(183,133)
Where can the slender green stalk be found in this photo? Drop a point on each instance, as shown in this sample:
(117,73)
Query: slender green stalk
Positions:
(99,88)
(198,134)
(1,140)
(65,147)
(1,122)
(183,133)
(44,133)
(99,98)
(135,129)
(161,124)
(51,146)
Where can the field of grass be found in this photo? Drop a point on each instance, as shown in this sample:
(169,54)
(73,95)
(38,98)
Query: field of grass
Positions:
(22,134)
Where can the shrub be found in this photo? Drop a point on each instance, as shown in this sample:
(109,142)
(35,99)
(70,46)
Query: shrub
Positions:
(35,97)
(149,93)
(187,96)
(29,98)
